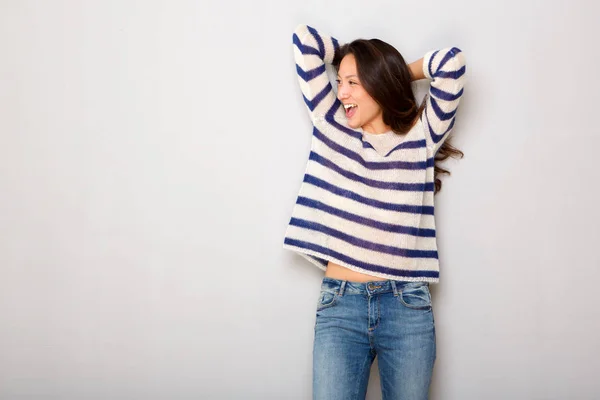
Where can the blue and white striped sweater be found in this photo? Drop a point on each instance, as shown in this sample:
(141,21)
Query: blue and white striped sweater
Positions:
(370,212)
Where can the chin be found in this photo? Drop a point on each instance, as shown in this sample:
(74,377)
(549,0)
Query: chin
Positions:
(352,124)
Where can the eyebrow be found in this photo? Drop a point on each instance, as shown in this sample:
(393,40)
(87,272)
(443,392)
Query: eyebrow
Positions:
(350,76)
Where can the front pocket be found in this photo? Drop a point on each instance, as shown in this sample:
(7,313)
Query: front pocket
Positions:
(326,300)
(416,297)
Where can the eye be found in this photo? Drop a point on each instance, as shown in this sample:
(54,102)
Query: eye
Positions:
(353,83)
(338,81)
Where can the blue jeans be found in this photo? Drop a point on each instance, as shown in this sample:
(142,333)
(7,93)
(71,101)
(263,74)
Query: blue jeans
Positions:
(356,322)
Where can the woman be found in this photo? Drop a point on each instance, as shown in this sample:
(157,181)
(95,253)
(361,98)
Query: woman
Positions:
(365,211)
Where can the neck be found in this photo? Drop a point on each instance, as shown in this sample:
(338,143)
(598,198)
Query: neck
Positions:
(376,127)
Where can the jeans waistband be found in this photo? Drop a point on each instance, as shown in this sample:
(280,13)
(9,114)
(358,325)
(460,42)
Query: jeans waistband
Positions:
(342,287)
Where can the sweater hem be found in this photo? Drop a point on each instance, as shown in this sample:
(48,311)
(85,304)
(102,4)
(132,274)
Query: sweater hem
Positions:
(309,254)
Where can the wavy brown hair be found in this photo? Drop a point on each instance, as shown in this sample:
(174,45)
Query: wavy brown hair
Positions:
(386,77)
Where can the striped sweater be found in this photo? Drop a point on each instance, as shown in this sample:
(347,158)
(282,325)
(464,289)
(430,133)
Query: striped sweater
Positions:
(372,213)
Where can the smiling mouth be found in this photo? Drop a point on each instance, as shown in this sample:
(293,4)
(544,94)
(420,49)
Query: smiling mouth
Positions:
(350,109)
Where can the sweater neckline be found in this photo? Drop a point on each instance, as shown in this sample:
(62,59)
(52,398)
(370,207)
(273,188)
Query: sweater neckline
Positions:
(383,152)
(358,133)
(382,143)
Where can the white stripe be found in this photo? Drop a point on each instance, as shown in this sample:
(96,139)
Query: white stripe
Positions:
(385,175)
(365,232)
(361,254)
(389,196)
(310,90)
(427,221)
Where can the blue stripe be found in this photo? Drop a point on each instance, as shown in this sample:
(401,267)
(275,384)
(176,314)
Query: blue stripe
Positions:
(310,74)
(440,94)
(431,62)
(365,244)
(317,37)
(448,56)
(366,266)
(443,116)
(367,145)
(348,194)
(317,99)
(413,144)
(330,117)
(336,45)
(410,165)
(451,74)
(434,136)
(408,230)
(304,49)
(415,187)
(308,103)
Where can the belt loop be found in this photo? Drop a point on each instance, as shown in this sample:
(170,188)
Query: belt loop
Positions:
(394,289)
(342,287)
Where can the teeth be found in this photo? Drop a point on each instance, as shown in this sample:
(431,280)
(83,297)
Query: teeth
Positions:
(347,106)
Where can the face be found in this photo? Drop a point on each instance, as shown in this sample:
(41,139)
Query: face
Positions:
(361,109)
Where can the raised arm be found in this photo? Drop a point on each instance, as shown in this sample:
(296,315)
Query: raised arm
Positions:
(312,51)
(446,68)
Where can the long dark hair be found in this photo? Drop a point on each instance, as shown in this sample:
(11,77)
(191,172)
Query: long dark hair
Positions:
(386,77)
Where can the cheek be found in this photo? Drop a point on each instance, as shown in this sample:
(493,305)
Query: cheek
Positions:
(368,104)
(371,109)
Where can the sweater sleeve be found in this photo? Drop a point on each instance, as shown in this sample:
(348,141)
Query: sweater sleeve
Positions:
(446,68)
(312,51)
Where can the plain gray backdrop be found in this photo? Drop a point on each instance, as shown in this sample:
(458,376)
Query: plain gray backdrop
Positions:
(150,156)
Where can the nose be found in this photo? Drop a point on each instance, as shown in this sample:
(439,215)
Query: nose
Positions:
(342,91)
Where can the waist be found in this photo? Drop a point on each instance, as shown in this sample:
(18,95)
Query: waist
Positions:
(342,287)
(336,271)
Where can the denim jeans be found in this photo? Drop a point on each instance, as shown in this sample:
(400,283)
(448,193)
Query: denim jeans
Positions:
(356,322)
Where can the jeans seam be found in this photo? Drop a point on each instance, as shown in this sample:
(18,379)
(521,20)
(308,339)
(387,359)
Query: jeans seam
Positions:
(358,381)
(425,307)
(378,312)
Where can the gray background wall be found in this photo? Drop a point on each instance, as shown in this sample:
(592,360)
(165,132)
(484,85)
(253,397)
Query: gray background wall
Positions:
(150,156)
